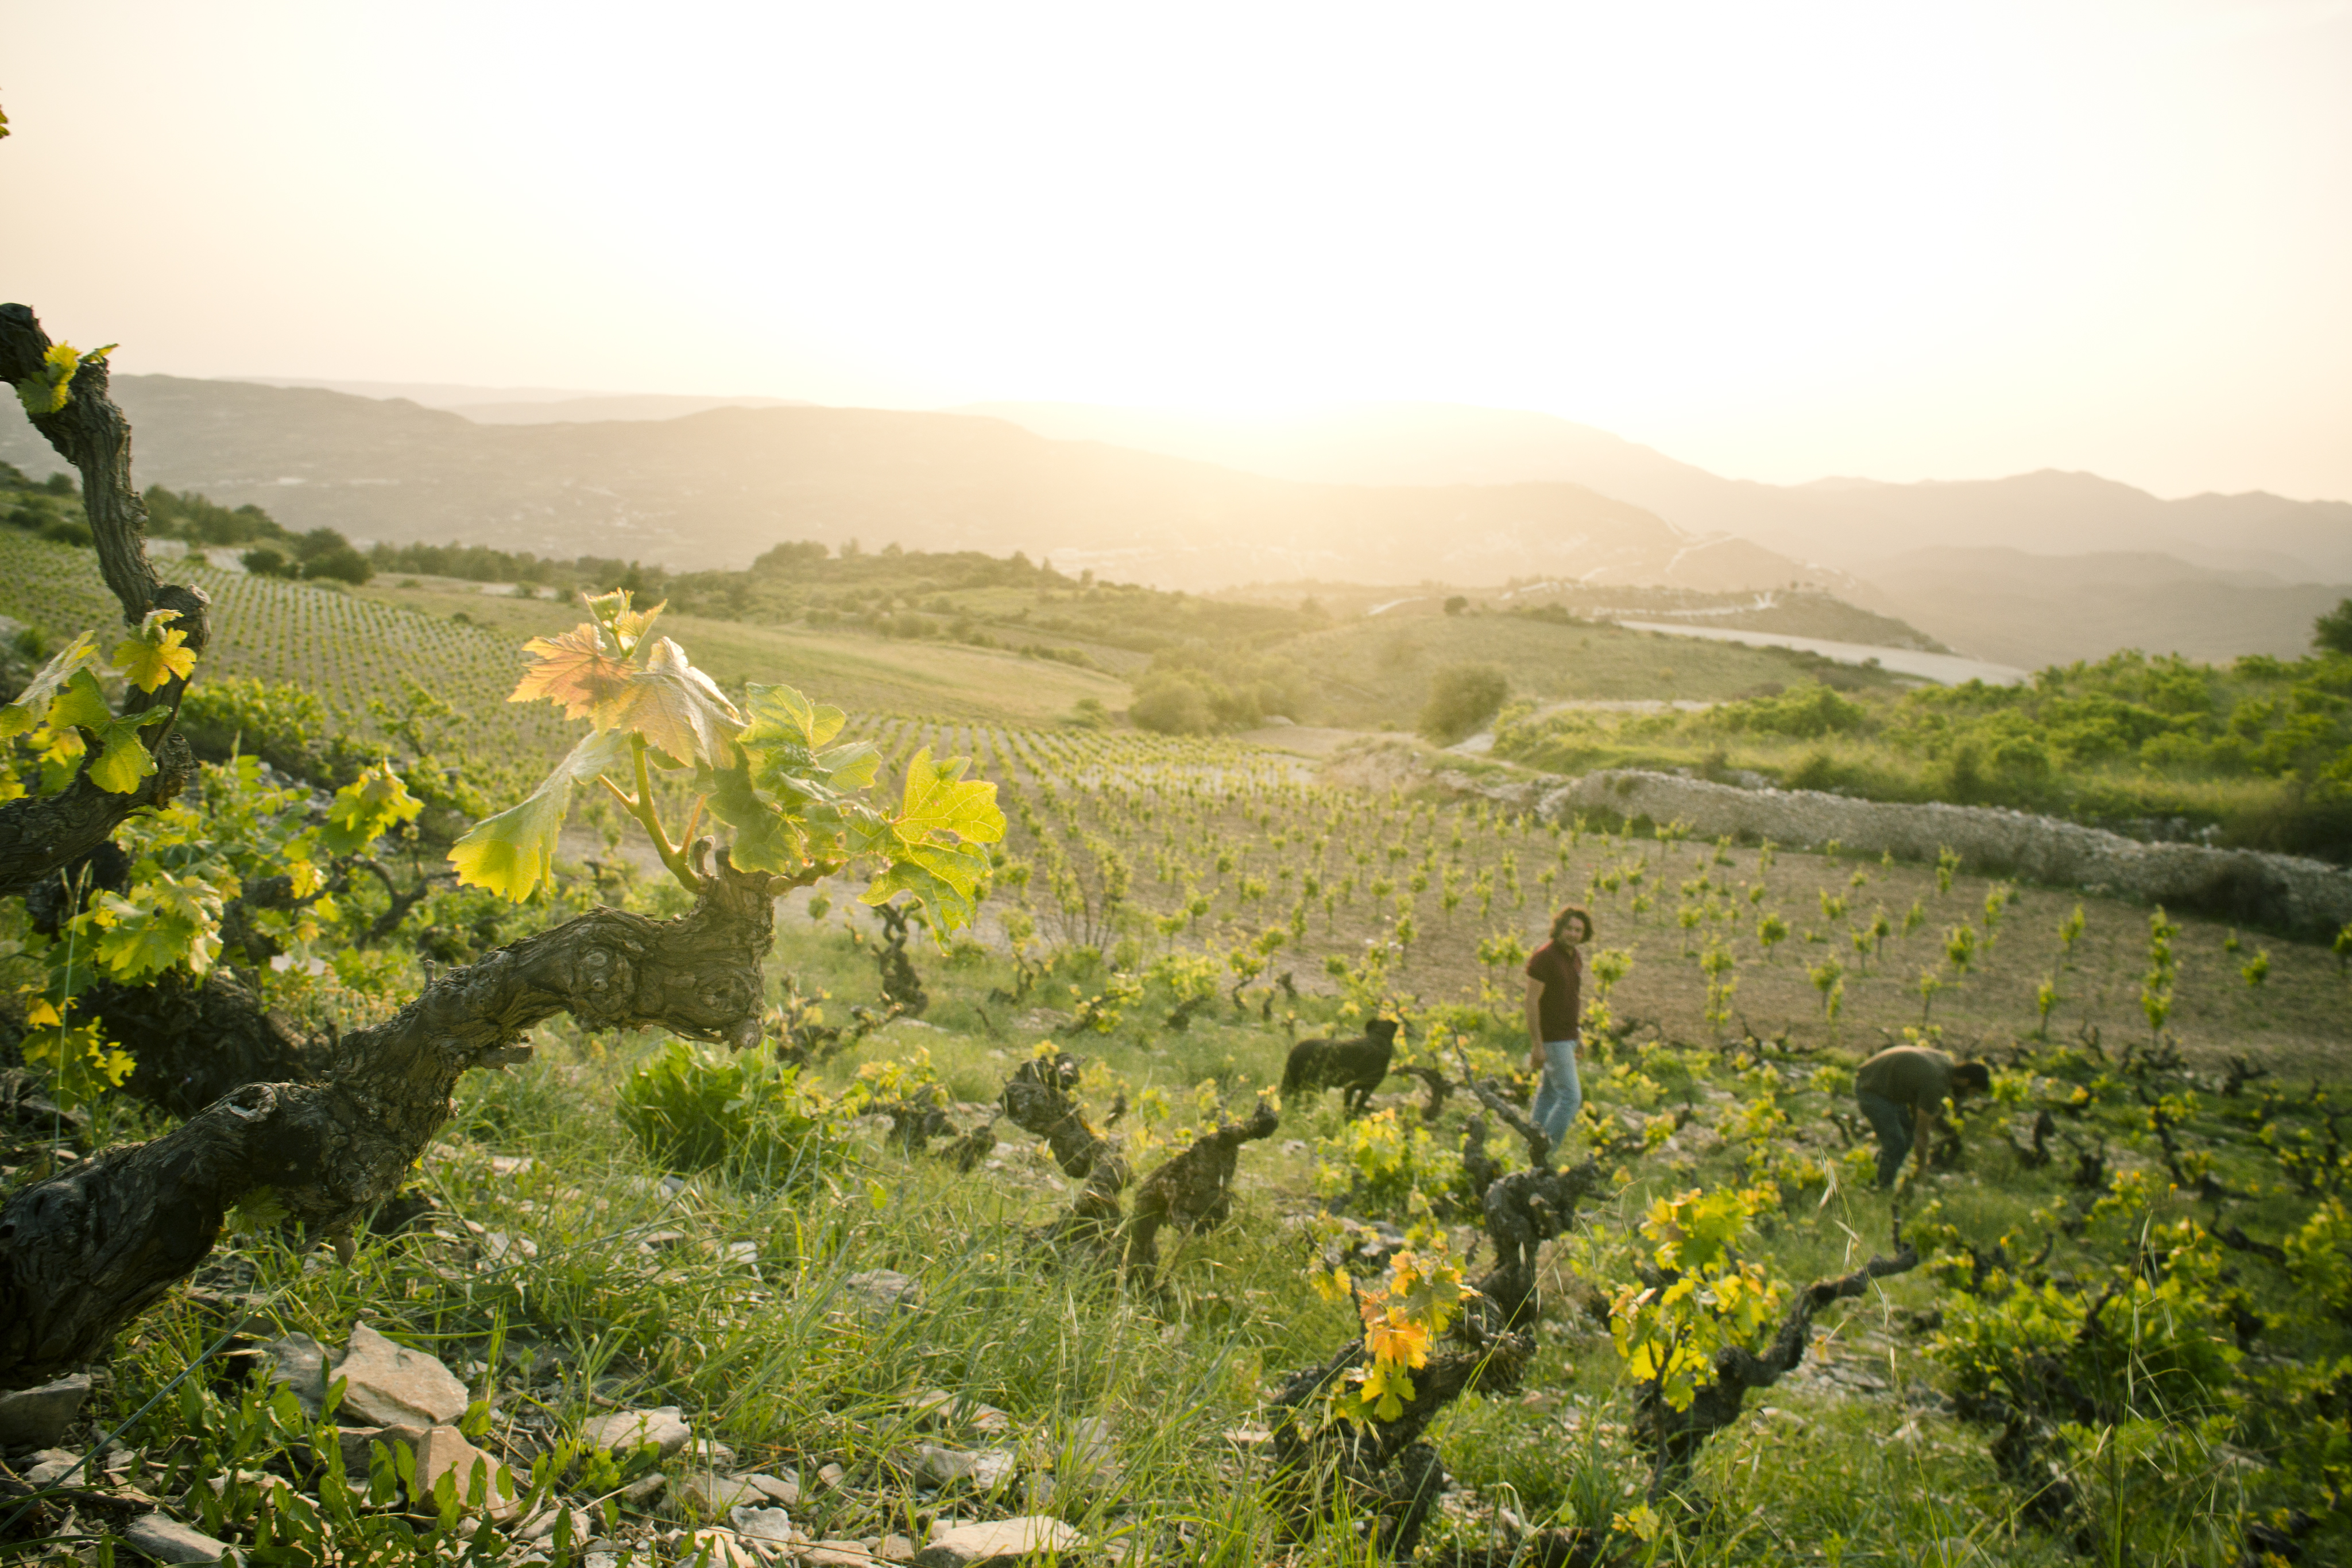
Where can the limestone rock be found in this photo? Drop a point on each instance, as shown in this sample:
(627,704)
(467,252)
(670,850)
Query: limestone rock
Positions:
(542,1526)
(359,1445)
(644,1489)
(443,1450)
(711,1494)
(37,1418)
(782,1490)
(301,1364)
(884,1291)
(393,1386)
(939,1405)
(895,1549)
(754,1523)
(718,1549)
(836,1555)
(983,1468)
(831,1475)
(710,1454)
(1005,1540)
(51,1466)
(167,1539)
(663,1428)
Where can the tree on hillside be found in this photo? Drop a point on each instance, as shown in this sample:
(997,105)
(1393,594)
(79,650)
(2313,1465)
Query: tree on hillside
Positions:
(1461,698)
(329,1127)
(2333,631)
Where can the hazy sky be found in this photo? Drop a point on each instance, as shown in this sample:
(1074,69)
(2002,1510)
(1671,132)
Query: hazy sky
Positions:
(1779,241)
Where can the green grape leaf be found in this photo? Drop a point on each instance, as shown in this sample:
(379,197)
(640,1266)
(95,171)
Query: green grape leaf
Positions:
(608,672)
(579,672)
(850,767)
(936,800)
(30,704)
(48,390)
(366,809)
(679,710)
(125,760)
(81,705)
(949,903)
(766,839)
(512,853)
(155,654)
(166,921)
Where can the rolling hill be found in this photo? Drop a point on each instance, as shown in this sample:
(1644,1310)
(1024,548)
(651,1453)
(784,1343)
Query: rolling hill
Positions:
(719,487)
(1844,523)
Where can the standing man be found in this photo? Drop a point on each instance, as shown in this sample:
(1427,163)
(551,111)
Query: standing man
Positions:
(1555,996)
(1902,1091)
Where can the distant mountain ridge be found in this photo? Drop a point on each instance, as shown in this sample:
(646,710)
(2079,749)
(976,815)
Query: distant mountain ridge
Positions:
(720,487)
(1846,523)
(2032,610)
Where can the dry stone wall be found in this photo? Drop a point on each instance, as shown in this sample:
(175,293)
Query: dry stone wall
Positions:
(2283,892)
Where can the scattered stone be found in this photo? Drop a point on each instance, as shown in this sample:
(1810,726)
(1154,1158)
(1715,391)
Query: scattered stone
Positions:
(894,1549)
(710,1454)
(37,1418)
(885,1291)
(1249,1437)
(443,1450)
(986,1469)
(509,1164)
(708,1493)
(359,1444)
(166,1539)
(938,1404)
(1004,1540)
(393,1386)
(644,1489)
(831,1475)
(755,1524)
(782,1492)
(1090,1442)
(542,1527)
(837,1554)
(717,1549)
(663,1426)
(51,1466)
(500,1247)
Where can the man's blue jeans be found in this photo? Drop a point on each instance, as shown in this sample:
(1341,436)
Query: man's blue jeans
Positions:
(1893,1124)
(1561,1096)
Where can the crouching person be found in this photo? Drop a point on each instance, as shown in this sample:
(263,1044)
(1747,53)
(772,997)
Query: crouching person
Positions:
(1555,993)
(1901,1092)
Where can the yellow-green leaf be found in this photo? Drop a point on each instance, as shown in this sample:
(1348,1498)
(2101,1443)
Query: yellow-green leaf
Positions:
(512,853)
(938,800)
(31,703)
(80,704)
(156,653)
(366,809)
(125,761)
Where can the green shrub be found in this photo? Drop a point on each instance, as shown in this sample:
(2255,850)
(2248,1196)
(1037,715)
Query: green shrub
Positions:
(1172,704)
(1806,712)
(1461,698)
(695,1109)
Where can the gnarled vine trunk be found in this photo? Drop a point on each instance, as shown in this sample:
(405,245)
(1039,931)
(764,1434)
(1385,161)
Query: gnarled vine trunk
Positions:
(83,1253)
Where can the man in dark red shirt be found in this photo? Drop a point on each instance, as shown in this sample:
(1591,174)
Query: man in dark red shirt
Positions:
(1555,996)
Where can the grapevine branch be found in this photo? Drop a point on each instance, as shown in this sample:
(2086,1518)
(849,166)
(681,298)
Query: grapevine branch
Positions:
(84,1253)
(40,835)
(1674,1438)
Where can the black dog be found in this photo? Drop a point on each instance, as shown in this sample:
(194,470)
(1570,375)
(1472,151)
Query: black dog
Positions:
(1353,1066)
